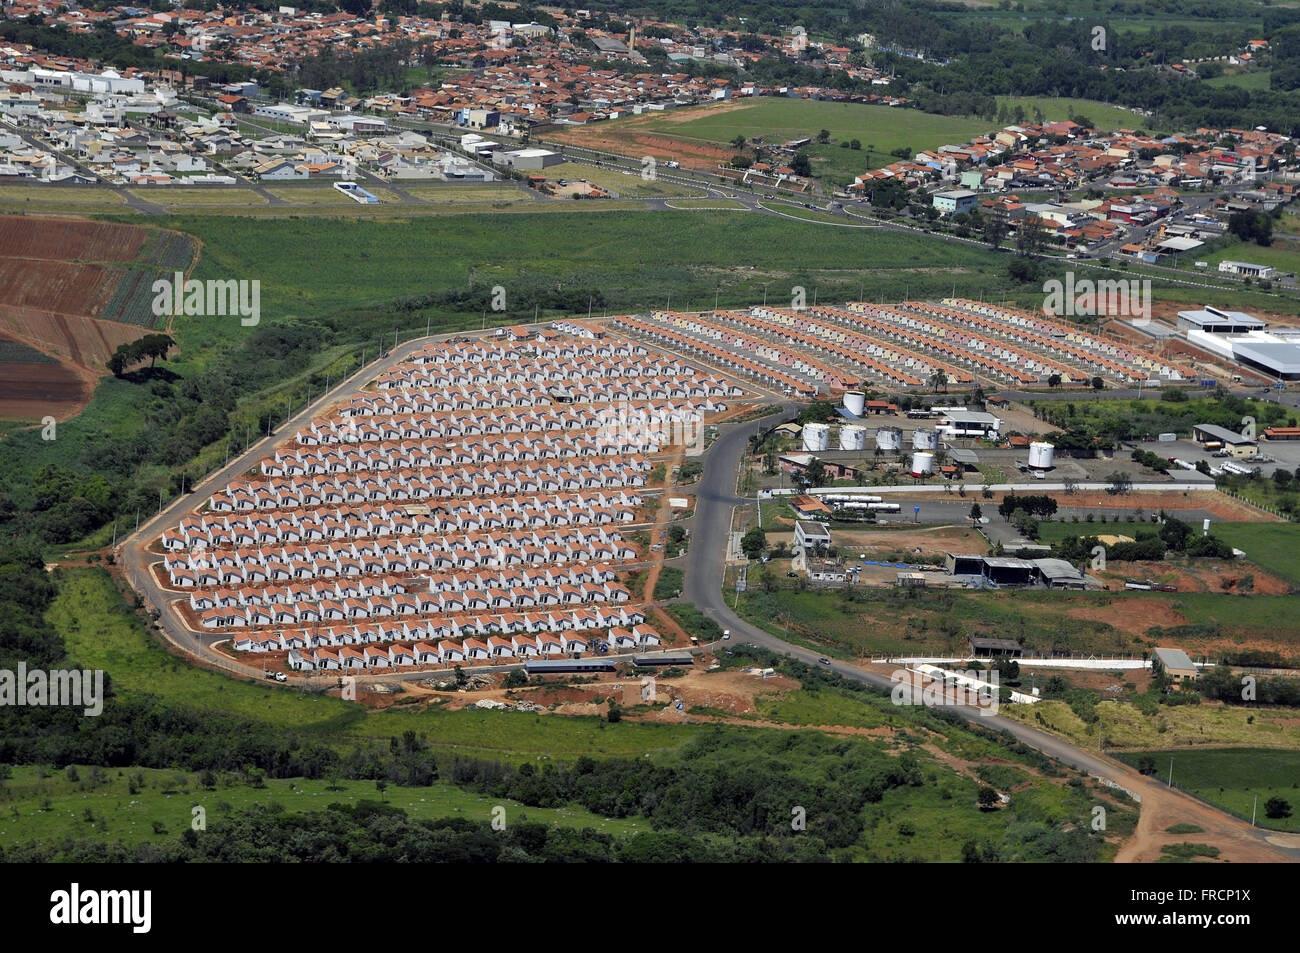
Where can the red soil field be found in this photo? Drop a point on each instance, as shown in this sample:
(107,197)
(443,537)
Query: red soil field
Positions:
(56,275)
(68,239)
(56,286)
(33,391)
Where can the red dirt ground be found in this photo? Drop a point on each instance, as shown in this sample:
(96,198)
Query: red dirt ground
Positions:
(56,274)
(68,239)
(628,138)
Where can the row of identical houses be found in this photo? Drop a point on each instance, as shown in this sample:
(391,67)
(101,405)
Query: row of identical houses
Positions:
(428,484)
(828,330)
(370,527)
(608,441)
(658,331)
(237,613)
(211,530)
(396,555)
(325,651)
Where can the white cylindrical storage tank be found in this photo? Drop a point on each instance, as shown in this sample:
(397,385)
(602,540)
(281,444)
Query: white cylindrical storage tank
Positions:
(889,439)
(855,402)
(1040,455)
(922,464)
(816,437)
(924,439)
(853,438)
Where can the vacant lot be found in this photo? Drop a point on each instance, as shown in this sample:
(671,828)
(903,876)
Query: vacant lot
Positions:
(175,195)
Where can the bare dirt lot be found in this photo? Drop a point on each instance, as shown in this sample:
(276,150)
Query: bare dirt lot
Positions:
(1198,577)
(632,137)
(56,276)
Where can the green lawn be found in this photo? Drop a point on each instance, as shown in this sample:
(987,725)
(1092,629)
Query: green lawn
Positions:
(777,120)
(1232,778)
(1272,546)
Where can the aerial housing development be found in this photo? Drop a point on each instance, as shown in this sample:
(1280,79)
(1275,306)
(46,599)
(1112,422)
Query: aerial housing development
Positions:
(488,433)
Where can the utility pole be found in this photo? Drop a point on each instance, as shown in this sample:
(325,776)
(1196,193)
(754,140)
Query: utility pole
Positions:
(1252,810)
(1171,772)
(160,498)
(137,519)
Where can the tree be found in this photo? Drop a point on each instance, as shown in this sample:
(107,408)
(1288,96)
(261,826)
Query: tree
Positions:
(939,379)
(824,136)
(976,514)
(1030,236)
(1120,483)
(381,786)
(1023,270)
(987,799)
(738,142)
(816,473)
(995,232)
(1276,808)
(1098,383)
(754,543)
(801,166)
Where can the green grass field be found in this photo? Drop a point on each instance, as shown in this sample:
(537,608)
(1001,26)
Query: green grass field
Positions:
(1232,778)
(177,196)
(707,205)
(621,254)
(327,195)
(462,194)
(89,196)
(1271,546)
(1282,254)
(777,120)
(43,805)
(1255,80)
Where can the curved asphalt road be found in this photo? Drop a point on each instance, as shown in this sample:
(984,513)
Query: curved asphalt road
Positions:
(704,571)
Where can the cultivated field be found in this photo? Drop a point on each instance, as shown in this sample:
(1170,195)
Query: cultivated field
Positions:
(74,290)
